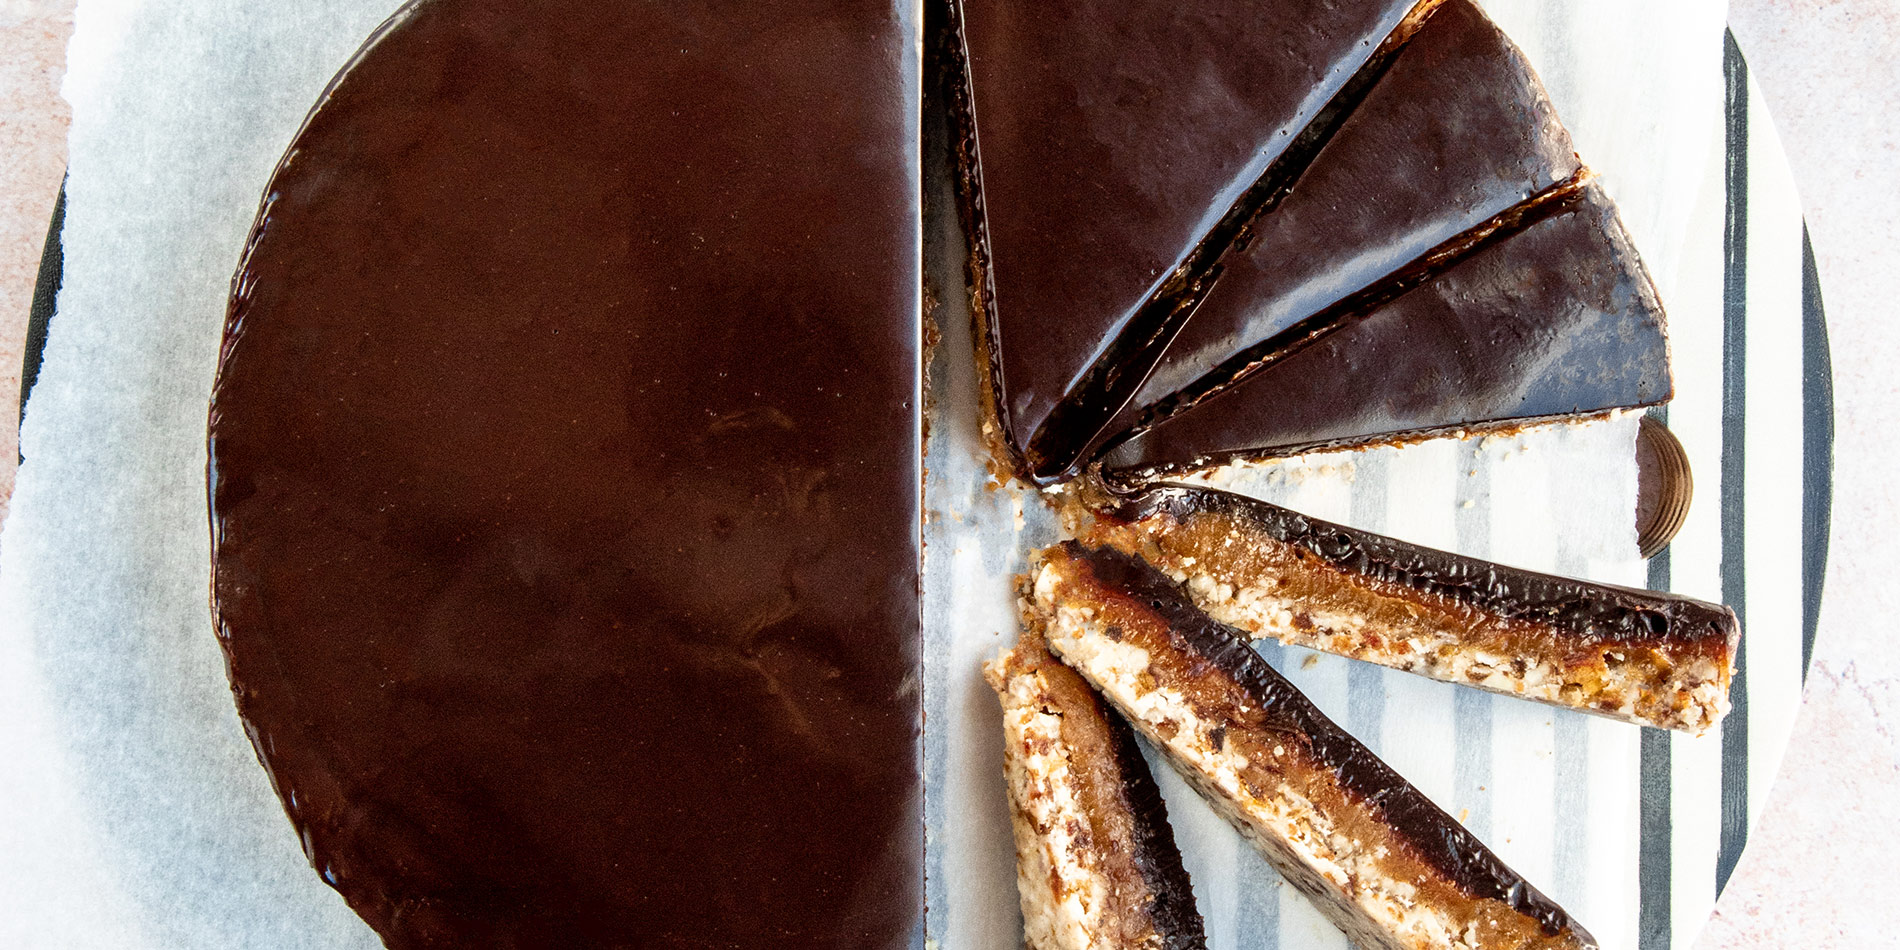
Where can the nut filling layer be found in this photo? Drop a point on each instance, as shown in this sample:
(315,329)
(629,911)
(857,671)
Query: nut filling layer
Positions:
(1386,865)
(1638,656)
(1096,863)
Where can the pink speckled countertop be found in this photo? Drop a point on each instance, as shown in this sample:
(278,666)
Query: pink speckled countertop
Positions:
(1820,868)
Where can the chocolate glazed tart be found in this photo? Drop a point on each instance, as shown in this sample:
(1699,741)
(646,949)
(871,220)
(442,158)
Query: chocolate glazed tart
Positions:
(564,466)
(1375,855)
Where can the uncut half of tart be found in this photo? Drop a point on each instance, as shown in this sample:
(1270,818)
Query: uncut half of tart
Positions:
(1651,658)
(1375,855)
(564,465)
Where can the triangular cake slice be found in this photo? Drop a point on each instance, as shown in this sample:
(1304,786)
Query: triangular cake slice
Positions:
(1552,319)
(1096,863)
(1456,133)
(1099,145)
(1375,855)
(1640,656)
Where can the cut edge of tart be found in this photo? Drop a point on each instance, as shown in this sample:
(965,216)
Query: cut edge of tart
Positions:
(1639,656)
(1096,862)
(1376,856)
(949,56)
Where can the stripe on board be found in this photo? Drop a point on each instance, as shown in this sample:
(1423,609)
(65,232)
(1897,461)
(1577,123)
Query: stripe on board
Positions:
(1659,565)
(1570,803)
(1655,845)
(1734,405)
(1365,703)
(1257,923)
(1256,901)
(1471,709)
(1817,450)
(1653,860)
(1365,682)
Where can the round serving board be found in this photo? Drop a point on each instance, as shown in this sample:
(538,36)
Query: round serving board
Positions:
(1635,830)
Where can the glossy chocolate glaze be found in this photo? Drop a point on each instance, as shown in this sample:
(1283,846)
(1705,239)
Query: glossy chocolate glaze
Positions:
(1597,611)
(565,466)
(1111,137)
(1430,834)
(1556,320)
(1458,130)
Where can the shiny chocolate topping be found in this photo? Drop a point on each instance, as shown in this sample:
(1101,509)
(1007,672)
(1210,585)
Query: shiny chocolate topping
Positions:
(1553,317)
(1433,836)
(1564,605)
(1112,137)
(565,477)
(1457,131)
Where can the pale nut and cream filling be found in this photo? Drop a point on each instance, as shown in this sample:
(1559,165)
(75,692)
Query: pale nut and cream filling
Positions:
(1631,685)
(1348,877)
(1063,894)
(1631,682)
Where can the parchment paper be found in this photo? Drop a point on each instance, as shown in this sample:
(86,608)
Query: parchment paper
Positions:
(132,811)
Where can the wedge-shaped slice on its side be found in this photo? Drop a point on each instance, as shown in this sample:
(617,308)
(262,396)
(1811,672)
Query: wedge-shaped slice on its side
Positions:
(1386,865)
(1636,655)
(1095,858)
